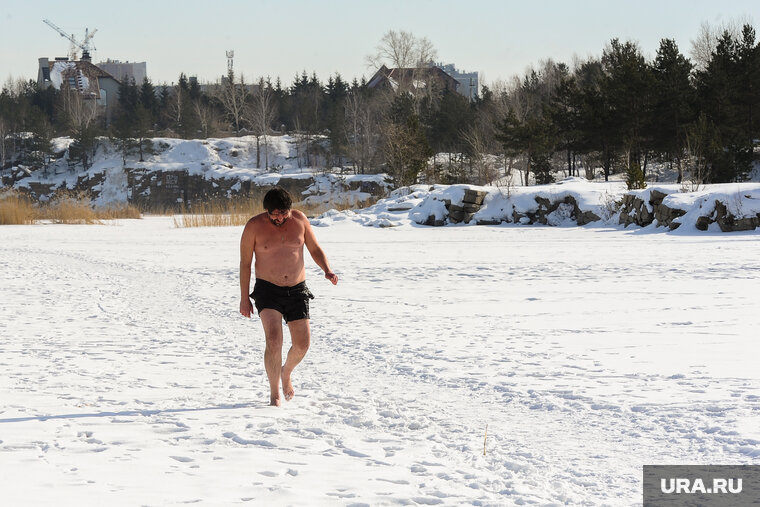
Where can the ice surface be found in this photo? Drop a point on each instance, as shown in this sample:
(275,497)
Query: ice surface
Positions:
(129,378)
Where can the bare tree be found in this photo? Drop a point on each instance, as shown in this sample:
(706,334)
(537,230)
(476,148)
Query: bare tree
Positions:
(358,118)
(699,141)
(80,111)
(4,131)
(263,113)
(395,48)
(207,116)
(402,50)
(234,98)
(353,112)
(507,96)
(364,124)
(706,41)
(479,142)
(176,106)
(301,143)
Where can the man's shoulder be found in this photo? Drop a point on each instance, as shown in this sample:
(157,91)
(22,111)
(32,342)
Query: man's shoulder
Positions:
(255,221)
(299,215)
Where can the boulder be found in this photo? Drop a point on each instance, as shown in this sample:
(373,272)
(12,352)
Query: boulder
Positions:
(665,215)
(586,217)
(703,223)
(729,223)
(431,220)
(456,216)
(656,197)
(474,196)
(547,207)
(635,211)
(368,187)
(488,221)
(296,186)
(468,207)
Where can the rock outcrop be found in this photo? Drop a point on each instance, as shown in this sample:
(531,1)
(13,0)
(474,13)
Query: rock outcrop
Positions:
(471,203)
(636,211)
(727,221)
(548,211)
(150,189)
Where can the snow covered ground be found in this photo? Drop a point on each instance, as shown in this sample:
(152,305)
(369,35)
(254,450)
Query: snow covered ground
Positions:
(129,378)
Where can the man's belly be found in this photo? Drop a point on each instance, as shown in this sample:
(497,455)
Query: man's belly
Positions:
(284,274)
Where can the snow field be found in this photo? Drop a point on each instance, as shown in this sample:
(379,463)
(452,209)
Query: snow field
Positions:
(130,378)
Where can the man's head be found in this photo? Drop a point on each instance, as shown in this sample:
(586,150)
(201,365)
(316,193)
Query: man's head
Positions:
(278,202)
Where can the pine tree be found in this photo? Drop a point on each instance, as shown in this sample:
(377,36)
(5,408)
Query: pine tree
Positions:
(635,177)
(628,88)
(149,100)
(720,95)
(564,113)
(450,117)
(405,147)
(335,117)
(41,148)
(674,102)
(186,121)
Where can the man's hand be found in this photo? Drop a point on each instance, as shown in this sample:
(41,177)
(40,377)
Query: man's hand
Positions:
(246,308)
(332,277)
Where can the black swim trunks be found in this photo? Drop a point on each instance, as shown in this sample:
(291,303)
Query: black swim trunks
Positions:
(291,302)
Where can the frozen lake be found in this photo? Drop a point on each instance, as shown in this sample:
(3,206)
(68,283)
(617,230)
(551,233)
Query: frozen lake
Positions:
(129,378)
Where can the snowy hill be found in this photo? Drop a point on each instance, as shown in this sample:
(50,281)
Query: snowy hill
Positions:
(179,170)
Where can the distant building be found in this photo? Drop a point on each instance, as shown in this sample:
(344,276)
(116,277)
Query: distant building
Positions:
(409,79)
(468,81)
(82,76)
(124,71)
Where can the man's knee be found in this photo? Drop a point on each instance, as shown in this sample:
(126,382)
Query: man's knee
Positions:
(301,344)
(273,333)
(273,337)
(300,337)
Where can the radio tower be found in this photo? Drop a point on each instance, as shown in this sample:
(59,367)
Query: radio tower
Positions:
(230,56)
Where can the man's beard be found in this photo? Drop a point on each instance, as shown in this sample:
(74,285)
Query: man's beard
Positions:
(280,224)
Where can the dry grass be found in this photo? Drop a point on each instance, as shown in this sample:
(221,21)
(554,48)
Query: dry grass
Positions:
(118,211)
(225,213)
(237,212)
(16,209)
(69,208)
(63,208)
(76,208)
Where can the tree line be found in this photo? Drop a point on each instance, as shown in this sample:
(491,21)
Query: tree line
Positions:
(617,113)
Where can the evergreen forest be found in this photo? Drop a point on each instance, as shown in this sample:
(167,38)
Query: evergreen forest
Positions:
(611,114)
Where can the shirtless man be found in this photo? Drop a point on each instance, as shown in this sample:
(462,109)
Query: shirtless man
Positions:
(276,238)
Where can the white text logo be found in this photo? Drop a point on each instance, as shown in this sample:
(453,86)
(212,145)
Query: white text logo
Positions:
(688,486)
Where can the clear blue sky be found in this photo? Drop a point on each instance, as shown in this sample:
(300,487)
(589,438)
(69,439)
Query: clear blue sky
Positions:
(271,38)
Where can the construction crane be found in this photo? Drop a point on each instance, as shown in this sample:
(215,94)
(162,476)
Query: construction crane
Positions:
(84,45)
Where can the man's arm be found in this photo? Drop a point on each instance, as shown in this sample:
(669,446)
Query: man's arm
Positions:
(247,242)
(316,252)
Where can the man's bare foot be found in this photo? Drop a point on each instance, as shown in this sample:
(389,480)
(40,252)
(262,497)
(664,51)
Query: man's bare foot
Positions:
(274,401)
(287,387)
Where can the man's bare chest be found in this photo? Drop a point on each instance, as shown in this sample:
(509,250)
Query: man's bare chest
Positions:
(280,239)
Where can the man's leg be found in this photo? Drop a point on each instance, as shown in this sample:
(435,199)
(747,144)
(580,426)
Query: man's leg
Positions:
(300,336)
(272,322)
